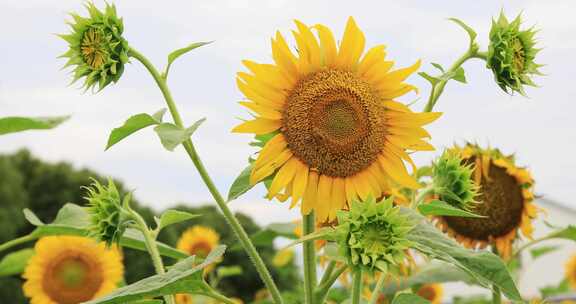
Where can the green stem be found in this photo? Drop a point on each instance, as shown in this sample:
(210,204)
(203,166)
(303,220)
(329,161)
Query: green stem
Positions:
(212,293)
(195,158)
(530,244)
(322,290)
(150,241)
(16,242)
(438,87)
(309,256)
(357,286)
(328,272)
(378,289)
(496,294)
(422,194)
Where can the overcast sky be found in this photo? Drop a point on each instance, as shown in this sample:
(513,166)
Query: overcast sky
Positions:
(540,129)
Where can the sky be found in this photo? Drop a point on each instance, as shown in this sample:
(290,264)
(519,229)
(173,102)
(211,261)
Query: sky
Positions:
(539,129)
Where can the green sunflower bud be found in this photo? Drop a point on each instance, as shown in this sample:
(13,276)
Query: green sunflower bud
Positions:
(511,55)
(374,235)
(106,210)
(453,181)
(96,47)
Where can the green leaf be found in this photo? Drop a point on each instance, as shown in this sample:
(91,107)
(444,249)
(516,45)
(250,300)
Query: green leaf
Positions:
(459,75)
(18,124)
(485,267)
(241,184)
(134,124)
(568,233)
(184,277)
(171,135)
(228,271)
(172,216)
(147,302)
(15,262)
(435,272)
(409,298)
(433,80)
(74,220)
(438,66)
(541,251)
(440,208)
(468,29)
(179,52)
(31,217)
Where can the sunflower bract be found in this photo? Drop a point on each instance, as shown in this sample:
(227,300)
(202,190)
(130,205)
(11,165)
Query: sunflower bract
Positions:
(105,209)
(453,181)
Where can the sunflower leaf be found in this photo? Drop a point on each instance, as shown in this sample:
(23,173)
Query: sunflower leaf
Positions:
(171,135)
(18,124)
(440,208)
(241,184)
(485,267)
(15,262)
(134,124)
(179,52)
(459,75)
(541,251)
(172,216)
(438,66)
(467,28)
(409,298)
(433,80)
(184,277)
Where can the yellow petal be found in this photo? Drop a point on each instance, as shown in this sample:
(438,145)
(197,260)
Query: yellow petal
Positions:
(270,74)
(283,56)
(351,46)
(300,182)
(327,45)
(262,111)
(271,166)
(277,97)
(397,91)
(283,177)
(324,203)
(374,56)
(310,197)
(397,76)
(255,97)
(395,168)
(351,194)
(309,48)
(362,186)
(258,126)
(338,197)
(270,150)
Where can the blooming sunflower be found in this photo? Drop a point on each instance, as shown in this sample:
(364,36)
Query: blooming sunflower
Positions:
(334,132)
(431,292)
(570,271)
(71,270)
(506,200)
(198,240)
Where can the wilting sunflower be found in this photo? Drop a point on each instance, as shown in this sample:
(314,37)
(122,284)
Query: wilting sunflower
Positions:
(506,199)
(431,292)
(71,270)
(198,240)
(570,271)
(328,121)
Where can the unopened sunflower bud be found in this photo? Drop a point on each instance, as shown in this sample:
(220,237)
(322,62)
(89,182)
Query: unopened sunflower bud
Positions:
(453,181)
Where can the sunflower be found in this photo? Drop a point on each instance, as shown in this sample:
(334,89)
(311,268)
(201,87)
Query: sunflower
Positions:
(198,240)
(431,292)
(70,270)
(571,271)
(506,199)
(182,298)
(330,128)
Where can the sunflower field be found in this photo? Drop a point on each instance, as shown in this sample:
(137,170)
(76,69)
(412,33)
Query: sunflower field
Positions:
(334,200)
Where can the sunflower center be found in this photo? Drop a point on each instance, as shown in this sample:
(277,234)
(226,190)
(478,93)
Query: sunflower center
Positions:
(519,54)
(201,249)
(93,48)
(333,121)
(501,202)
(72,278)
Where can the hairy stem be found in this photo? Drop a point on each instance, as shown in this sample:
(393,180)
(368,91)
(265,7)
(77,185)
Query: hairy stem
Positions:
(195,158)
(16,242)
(309,256)
(328,272)
(324,287)
(357,286)
(378,289)
(212,293)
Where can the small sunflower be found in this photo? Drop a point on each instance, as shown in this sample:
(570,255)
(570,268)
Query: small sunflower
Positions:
(570,271)
(333,130)
(511,54)
(431,292)
(199,241)
(506,199)
(96,47)
(71,270)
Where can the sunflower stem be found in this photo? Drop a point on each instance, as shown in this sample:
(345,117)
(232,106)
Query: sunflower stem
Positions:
(496,294)
(214,294)
(309,256)
(150,241)
(323,288)
(195,158)
(356,286)
(438,87)
(378,289)
(328,272)
(16,242)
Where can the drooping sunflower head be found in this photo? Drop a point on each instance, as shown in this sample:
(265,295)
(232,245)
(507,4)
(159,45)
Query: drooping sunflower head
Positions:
(199,241)
(373,235)
(71,270)
(505,199)
(330,128)
(431,292)
(511,54)
(106,214)
(96,47)
(453,182)
(570,271)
